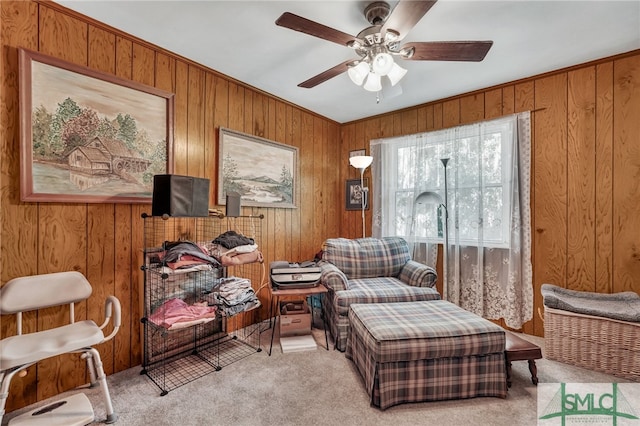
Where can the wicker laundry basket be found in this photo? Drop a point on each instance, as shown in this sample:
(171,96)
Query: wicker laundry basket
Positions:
(597,343)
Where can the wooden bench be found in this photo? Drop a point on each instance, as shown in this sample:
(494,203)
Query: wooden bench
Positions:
(519,349)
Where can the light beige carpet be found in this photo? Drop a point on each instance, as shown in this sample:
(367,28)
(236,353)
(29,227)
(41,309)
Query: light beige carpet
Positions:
(319,387)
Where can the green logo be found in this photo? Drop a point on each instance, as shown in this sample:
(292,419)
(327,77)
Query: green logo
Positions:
(613,405)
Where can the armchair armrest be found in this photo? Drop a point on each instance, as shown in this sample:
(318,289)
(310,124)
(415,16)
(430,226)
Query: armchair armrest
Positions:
(418,275)
(332,278)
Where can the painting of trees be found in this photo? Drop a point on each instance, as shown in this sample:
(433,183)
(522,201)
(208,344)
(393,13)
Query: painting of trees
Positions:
(261,171)
(286,183)
(91,136)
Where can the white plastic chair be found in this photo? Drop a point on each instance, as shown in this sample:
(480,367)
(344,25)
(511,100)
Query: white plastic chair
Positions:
(23,350)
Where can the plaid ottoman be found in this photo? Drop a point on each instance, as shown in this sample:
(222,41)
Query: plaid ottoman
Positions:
(425,351)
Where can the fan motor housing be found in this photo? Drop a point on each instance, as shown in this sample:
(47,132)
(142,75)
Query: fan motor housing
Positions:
(377,12)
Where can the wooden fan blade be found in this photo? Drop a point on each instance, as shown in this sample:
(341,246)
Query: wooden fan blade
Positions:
(304,25)
(326,75)
(406,15)
(473,51)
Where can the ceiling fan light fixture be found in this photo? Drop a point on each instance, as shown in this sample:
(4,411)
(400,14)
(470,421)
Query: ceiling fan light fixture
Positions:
(382,63)
(378,44)
(396,74)
(373,83)
(358,73)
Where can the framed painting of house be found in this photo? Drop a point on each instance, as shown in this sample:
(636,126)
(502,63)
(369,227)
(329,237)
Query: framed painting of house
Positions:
(88,136)
(262,172)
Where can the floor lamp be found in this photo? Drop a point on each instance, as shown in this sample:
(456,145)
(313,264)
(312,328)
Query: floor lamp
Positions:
(445,255)
(424,201)
(362,162)
(433,198)
(429,197)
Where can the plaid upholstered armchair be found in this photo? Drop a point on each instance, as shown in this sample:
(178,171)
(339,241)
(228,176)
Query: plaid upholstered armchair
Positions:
(370,270)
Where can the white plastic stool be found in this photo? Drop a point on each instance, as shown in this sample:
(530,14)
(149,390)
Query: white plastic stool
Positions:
(74,410)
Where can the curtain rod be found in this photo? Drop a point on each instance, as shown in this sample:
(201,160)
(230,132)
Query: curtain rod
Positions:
(378,141)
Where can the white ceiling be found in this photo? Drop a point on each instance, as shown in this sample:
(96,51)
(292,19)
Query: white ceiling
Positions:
(240,39)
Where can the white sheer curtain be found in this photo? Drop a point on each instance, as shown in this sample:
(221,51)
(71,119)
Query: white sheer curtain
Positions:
(488,261)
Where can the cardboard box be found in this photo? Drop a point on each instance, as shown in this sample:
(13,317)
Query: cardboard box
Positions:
(295,318)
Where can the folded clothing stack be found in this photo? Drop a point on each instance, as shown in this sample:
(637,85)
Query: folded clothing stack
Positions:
(235,295)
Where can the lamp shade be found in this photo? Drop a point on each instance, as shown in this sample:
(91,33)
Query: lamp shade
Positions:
(358,73)
(373,83)
(382,63)
(396,74)
(360,161)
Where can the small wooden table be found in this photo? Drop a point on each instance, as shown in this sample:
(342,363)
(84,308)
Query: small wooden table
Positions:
(277,293)
(519,349)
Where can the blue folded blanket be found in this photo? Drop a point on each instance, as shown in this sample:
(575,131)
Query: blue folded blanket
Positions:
(624,306)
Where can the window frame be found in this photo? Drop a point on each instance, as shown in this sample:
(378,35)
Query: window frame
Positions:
(506,131)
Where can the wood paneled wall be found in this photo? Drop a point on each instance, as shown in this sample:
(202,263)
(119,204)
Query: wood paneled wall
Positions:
(104,241)
(585,183)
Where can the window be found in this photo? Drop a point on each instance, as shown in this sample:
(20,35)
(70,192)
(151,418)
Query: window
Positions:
(486,265)
(479,181)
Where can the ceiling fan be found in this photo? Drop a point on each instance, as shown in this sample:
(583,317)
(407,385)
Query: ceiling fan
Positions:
(378,44)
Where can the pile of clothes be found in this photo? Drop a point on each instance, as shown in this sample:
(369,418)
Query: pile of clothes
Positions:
(231,248)
(174,314)
(184,255)
(228,296)
(235,295)
(227,249)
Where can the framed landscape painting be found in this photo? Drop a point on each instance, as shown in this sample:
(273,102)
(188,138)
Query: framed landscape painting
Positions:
(262,172)
(88,136)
